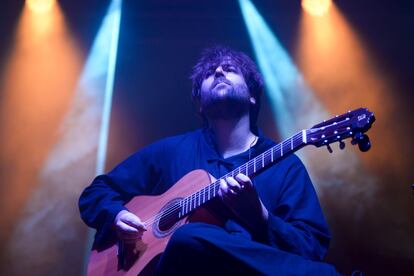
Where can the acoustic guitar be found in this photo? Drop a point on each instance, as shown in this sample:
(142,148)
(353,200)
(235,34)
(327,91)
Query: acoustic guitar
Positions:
(163,214)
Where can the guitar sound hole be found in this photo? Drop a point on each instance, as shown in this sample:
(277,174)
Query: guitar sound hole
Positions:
(169,217)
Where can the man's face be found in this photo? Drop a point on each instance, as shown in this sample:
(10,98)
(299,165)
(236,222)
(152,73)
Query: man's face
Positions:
(224,93)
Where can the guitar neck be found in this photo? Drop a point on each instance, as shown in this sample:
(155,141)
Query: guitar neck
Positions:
(250,168)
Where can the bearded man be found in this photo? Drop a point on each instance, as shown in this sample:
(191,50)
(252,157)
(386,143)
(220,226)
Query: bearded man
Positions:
(271,225)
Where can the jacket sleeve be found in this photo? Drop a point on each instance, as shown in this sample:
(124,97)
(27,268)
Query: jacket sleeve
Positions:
(296,223)
(105,197)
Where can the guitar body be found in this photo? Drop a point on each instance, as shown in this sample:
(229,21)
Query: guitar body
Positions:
(158,233)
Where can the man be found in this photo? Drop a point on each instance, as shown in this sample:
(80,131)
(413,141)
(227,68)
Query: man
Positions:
(272,225)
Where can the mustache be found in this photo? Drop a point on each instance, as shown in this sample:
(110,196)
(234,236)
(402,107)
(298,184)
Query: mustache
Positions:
(220,80)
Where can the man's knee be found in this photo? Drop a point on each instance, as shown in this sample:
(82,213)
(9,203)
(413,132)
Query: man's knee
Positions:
(185,251)
(187,236)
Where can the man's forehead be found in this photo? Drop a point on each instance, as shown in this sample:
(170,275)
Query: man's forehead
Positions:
(227,60)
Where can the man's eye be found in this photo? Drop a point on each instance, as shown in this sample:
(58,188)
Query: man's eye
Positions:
(208,73)
(230,69)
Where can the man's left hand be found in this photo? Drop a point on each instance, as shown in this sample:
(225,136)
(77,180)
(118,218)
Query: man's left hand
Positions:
(241,197)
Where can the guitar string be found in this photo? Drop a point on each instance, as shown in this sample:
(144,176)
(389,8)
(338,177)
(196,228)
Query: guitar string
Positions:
(212,186)
(247,165)
(172,210)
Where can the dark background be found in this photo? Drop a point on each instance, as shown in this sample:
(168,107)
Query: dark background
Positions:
(160,42)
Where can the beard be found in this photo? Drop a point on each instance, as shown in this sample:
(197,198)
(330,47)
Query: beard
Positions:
(225,101)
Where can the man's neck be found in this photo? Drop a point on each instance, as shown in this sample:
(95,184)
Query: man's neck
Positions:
(233,136)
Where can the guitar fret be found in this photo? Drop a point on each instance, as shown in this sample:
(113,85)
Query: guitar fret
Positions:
(271,153)
(194,201)
(281,149)
(203,198)
(262,160)
(291,143)
(206,194)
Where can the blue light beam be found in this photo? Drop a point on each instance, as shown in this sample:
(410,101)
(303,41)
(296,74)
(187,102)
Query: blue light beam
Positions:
(100,72)
(296,107)
(289,95)
(99,75)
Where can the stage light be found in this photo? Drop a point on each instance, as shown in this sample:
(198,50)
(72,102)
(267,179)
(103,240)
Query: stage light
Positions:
(58,113)
(295,105)
(316,7)
(36,86)
(331,54)
(40,6)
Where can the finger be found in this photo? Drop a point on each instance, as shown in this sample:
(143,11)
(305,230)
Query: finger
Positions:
(224,188)
(244,180)
(133,221)
(233,184)
(225,191)
(126,229)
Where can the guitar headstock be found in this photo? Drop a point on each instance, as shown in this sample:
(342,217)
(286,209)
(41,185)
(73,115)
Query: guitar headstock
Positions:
(352,124)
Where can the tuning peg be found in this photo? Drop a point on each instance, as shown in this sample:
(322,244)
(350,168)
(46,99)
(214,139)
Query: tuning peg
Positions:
(364,143)
(329,148)
(341,145)
(362,140)
(357,137)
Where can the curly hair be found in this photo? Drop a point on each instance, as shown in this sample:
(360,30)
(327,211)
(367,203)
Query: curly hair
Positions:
(212,58)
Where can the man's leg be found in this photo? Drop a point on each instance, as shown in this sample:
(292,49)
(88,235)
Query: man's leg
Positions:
(204,249)
(188,253)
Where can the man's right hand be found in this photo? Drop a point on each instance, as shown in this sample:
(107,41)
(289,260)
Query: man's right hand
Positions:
(129,227)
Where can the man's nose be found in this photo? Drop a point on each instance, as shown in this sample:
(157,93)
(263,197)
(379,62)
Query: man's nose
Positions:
(219,72)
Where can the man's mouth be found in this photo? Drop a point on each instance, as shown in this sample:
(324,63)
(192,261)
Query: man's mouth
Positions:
(220,81)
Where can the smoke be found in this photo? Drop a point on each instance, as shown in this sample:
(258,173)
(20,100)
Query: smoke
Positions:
(50,225)
(363,193)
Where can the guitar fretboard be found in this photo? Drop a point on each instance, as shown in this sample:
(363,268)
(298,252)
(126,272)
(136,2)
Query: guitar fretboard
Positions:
(250,168)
